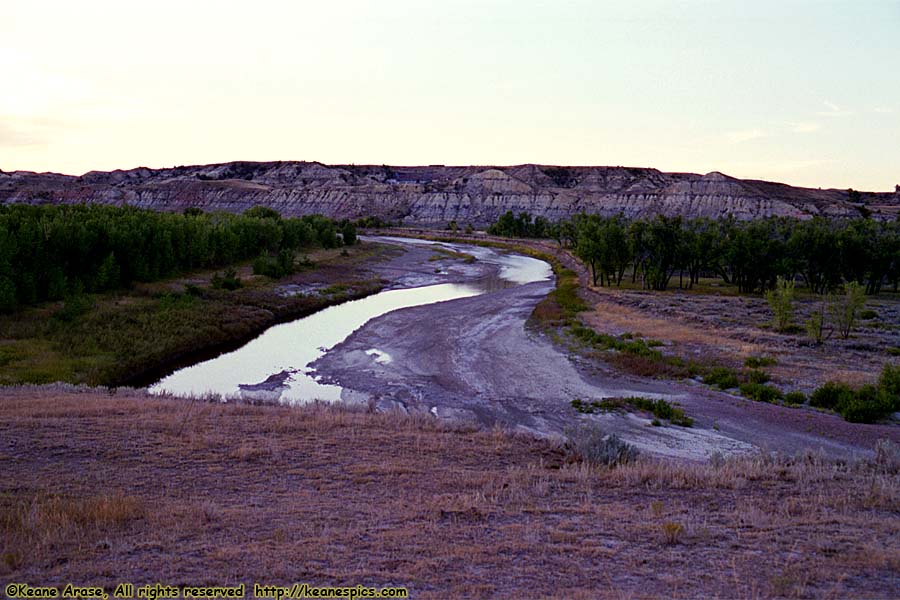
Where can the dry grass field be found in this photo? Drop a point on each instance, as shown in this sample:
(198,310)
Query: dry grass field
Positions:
(99,488)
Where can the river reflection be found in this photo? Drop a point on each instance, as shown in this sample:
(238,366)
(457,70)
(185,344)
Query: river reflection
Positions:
(273,366)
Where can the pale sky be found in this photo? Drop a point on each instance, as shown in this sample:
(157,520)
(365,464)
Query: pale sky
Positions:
(801,91)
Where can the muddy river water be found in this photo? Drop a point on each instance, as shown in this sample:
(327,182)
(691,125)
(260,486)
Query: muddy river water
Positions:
(274,366)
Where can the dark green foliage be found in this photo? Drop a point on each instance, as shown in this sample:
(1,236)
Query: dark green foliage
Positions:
(609,342)
(660,409)
(721,377)
(226,281)
(108,275)
(73,307)
(372,222)
(868,314)
(749,254)
(754,362)
(348,233)
(48,252)
(262,212)
(756,376)
(889,380)
(795,397)
(275,267)
(831,395)
(8,300)
(524,225)
(760,392)
(603,245)
(867,404)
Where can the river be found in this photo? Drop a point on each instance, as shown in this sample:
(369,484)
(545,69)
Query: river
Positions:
(273,367)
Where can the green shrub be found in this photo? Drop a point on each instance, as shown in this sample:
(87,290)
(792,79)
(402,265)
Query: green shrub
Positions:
(754,362)
(867,405)
(889,381)
(815,326)
(760,392)
(721,377)
(227,281)
(831,395)
(845,308)
(73,307)
(795,397)
(868,314)
(781,301)
(262,212)
(659,408)
(756,376)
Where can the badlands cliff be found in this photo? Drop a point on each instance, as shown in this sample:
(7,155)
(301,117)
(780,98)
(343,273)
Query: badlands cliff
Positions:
(435,195)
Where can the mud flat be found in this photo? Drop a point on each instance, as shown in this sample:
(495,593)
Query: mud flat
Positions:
(475,359)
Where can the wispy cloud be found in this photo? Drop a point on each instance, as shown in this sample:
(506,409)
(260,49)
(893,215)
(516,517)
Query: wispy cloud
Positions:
(833,110)
(804,127)
(745,135)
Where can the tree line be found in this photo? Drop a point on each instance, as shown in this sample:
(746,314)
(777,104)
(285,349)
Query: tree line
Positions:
(753,255)
(49,252)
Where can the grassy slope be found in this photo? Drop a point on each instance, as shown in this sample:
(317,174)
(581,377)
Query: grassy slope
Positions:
(100,489)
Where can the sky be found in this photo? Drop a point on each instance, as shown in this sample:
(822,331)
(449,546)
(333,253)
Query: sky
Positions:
(801,91)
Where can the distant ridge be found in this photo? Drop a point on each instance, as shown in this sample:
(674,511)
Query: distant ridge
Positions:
(434,195)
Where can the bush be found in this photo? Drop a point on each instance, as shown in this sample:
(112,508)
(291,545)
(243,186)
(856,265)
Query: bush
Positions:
(795,398)
(867,405)
(781,301)
(348,233)
(830,395)
(227,281)
(754,362)
(889,381)
(846,306)
(262,212)
(868,314)
(661,410)
(721,377)
(756,376)
(591,445)
(815,326)
(760,392)
(73,307)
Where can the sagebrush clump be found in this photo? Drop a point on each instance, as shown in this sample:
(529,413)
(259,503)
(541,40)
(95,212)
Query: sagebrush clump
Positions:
(590,444)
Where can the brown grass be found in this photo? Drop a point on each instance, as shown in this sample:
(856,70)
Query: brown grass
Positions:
(99,489)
